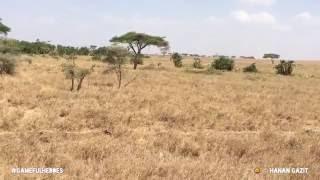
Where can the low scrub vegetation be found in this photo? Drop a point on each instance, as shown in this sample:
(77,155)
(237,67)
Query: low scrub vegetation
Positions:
(197,63)
(285,67)
(223,63)
(251,68)
(7,64)
(177,60)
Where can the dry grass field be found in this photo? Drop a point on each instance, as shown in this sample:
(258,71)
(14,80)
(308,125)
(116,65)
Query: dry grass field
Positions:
(168,123)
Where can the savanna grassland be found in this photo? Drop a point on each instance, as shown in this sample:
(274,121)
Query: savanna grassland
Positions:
(164,123)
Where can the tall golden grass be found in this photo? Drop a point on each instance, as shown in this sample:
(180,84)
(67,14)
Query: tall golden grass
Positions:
(168,123)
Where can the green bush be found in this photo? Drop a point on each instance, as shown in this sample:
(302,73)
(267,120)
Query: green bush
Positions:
(8,46)
(285,67)
(251,69)
(73,72)
(197,63)
(223,63)
(177,60)
(7,65)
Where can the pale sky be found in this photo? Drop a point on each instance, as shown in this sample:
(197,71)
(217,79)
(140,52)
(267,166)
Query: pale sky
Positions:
(290,28)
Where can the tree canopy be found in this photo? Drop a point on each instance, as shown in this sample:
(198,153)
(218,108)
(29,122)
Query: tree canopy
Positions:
(138,41)
(271,55)
(3,28)
(116,55)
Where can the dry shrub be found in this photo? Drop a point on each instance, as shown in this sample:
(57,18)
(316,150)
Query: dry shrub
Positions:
(7,64)
(74,72)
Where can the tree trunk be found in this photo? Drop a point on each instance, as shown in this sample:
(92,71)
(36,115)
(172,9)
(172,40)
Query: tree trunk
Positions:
(120,76)
(72,84)
(80,84)
(136,59)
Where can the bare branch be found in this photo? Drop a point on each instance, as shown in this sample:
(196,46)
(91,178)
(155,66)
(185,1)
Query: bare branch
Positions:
(131,46)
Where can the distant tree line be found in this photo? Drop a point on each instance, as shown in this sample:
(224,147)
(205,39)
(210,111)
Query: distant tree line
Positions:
(271,55)
(42,47)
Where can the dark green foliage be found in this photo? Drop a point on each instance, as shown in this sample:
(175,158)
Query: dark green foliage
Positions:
(141,39)
(223,63)
(137,42)
(15,46)
(83,51)
(9,46)
(197,63)
(3,28)
(271,55)
(7,65)
(251,68)
(177,60)
(42,47)
(285,67)
(101,51)
(66,50)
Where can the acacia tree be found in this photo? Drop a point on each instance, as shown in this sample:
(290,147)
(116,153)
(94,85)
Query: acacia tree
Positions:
(117,57)
(3,28)
(73,72)
(271,56)
(137,42)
